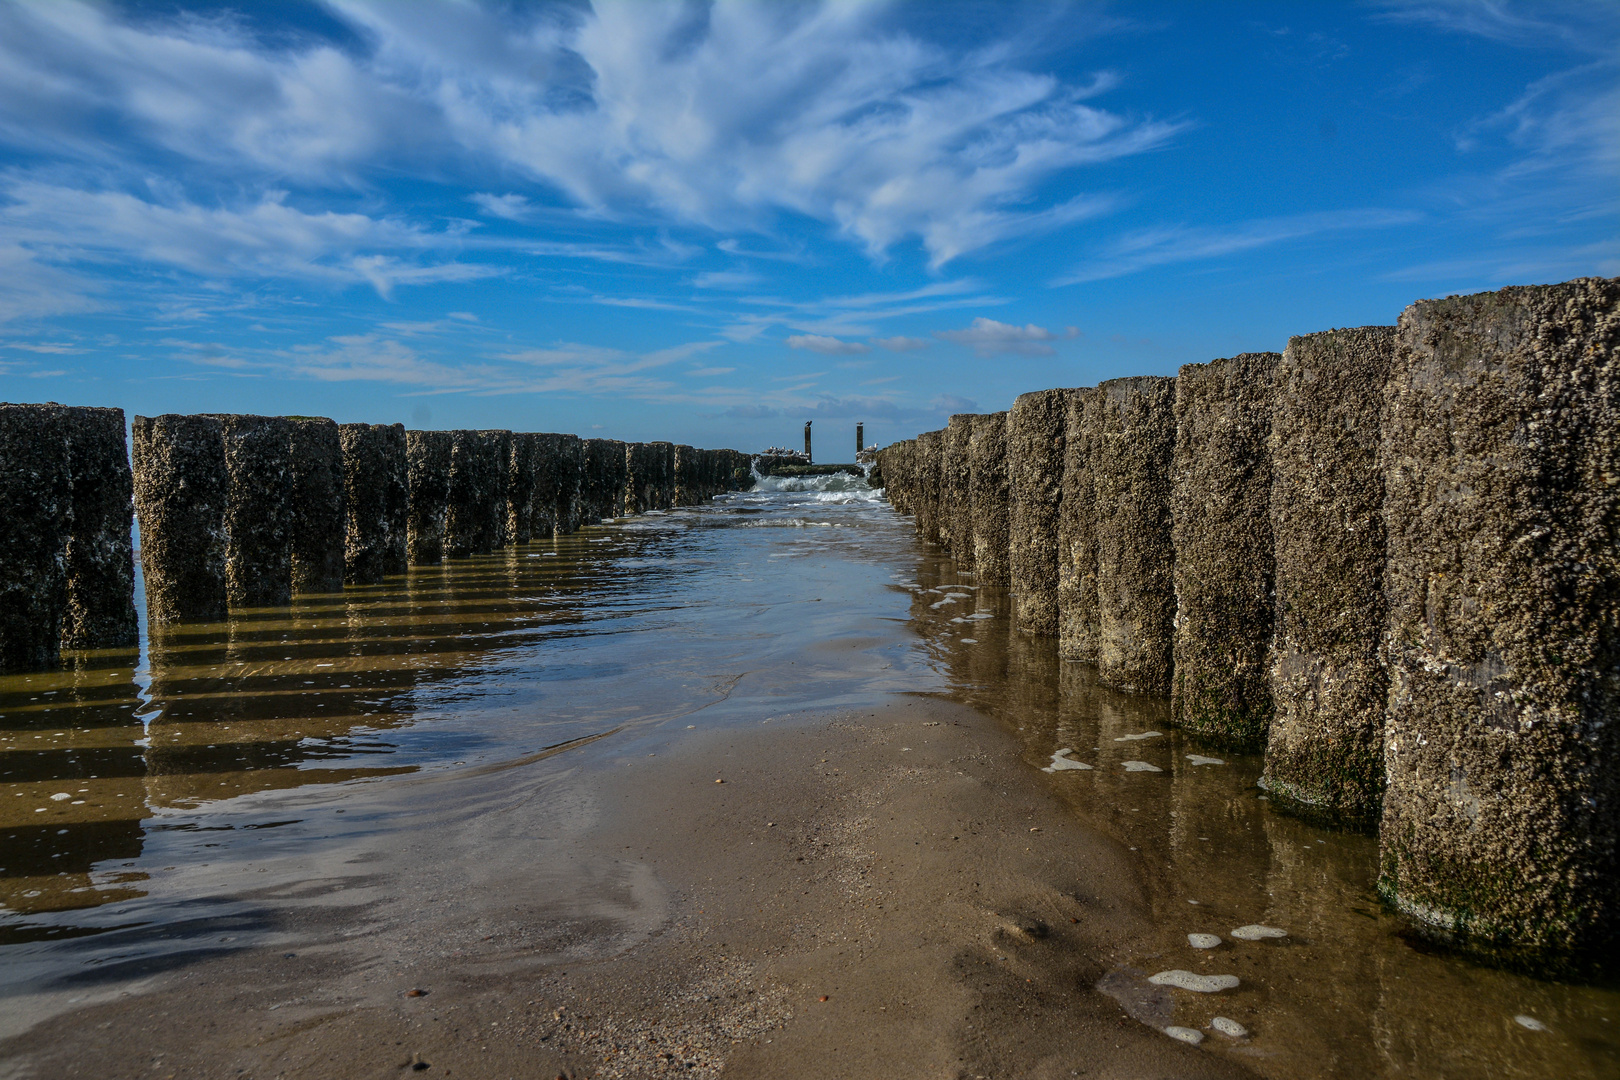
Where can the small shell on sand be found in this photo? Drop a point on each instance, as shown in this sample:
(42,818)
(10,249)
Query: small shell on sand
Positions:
(1187,980)
(1529,1022)
(1141,766)
(1256,932)
(1186,1035)
(1203,941)
(1143,735)
(1227,1026)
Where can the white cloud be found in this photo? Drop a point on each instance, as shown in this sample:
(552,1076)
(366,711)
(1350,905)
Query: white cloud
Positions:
(1176,243)
(987,337)
(828,346)
(263,238)
(722,116)
(901,343)
(727,279)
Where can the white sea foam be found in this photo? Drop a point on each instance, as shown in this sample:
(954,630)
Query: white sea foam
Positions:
(1141,766)
(1227,1026)
(1256,932)
(1187,980)
(1185,1034)
(1138,738)
(1203,941)
(1529,1022)
(1199,759)
(1060,763)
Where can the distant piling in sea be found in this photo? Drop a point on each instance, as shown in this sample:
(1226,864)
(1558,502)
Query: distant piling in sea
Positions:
(1387,556)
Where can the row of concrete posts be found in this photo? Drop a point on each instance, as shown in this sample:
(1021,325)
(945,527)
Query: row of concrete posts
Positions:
(245,511)
(1386,555)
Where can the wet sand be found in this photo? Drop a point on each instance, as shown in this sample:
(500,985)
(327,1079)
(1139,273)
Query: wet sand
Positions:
(625,915)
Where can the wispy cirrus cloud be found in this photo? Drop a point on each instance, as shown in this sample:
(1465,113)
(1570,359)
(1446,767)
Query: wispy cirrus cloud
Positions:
(1146,248)
(827,346)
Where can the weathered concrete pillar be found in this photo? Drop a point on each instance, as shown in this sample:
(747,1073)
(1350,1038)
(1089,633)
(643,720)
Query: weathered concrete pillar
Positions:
(427,471)
(1220,508)
(548,466)
(687,482)
(956,489)
(742,471)
(500,446)
(476,498)
(1077,532)
(1328,682)
(926,500)
(376,492)
(1501,463)
(1131,451)
(317,505)
(641,483)
(258,510)
(1035,433)
(180,493)
(569,513)
(520,488)
(100,563)
(36,491)
(602,494)
(664,492)
(988,493)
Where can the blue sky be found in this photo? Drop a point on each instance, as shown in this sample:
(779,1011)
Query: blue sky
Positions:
(710,223)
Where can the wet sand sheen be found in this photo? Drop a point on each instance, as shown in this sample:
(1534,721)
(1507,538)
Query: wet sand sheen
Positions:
(598,906)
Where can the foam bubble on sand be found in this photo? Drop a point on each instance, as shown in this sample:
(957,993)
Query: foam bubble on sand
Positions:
(1529,1022)
(1199,759)
(60,796)
(1187,980)
(1141,766)
(1227,1026)
(1256,932)
(970,641)
(1203,941)
(1060,763)
(1143,735)
(1186,1035)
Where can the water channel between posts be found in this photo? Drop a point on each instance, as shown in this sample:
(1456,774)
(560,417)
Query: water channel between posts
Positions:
(147,792)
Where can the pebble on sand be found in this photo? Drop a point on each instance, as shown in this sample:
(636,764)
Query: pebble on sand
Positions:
(1255,932)
(1203,941)
(1141,766)
(1227,1026)
(1187,980)
(1185,1034)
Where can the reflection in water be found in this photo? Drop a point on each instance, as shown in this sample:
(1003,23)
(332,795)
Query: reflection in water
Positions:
(1345,993)
(125,774)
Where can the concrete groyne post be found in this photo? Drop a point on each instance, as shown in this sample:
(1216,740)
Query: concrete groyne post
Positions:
(988,490)
(1328,681)
(1077,532)
(1501,468)
(427,465)
(1131,452)
(522,466)
(1035,440)
(956,489)
(180,488)
(570,473)
(664,489)
(688,480)
(606,474)
(548,469)
(100,562)
(37,488)
(926,500)
(258,510)
(318,501)
(1220,505)
(475,503)
(498,445)
(376,492)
